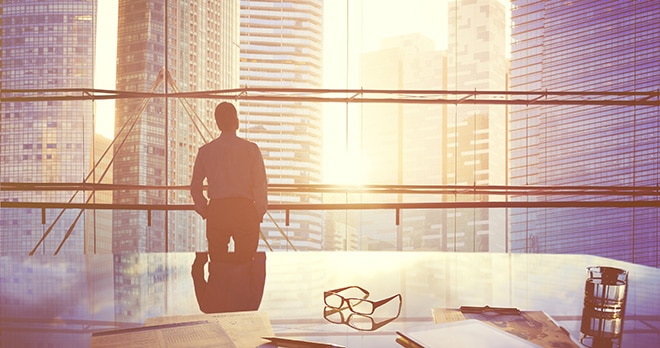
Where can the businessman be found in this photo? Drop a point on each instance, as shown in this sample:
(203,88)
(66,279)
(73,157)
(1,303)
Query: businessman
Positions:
(237,190)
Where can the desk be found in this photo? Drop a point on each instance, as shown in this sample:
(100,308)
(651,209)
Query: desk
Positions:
(63,299)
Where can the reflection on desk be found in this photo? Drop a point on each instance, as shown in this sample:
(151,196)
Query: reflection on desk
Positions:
(61,300)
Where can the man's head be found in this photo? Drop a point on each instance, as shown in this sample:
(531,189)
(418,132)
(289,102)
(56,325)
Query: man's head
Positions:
(226,117)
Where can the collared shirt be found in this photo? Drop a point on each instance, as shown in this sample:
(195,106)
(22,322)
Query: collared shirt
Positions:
(234,168)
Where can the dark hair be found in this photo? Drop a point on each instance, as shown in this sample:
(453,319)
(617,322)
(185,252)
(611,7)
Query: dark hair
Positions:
(226,116)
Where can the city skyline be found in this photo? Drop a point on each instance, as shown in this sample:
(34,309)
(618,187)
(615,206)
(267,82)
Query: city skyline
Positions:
(341,59)
(551,145)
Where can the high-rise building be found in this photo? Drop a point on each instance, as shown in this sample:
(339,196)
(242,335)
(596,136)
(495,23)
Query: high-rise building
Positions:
(45,45)
(281,46)
(453,145)
(475,135)
(601,46)
(98,223)
(401,144)
(158,139)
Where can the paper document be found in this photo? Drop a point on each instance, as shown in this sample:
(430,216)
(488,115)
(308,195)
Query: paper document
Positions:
(179,335)
(245,329)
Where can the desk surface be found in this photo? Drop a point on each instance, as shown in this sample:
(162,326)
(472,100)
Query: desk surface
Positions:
(61,300)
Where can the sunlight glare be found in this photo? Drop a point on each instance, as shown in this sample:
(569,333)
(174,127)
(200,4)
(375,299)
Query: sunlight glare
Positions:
(345,169)
(105,65)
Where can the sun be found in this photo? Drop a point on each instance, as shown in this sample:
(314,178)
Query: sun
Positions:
(344,169)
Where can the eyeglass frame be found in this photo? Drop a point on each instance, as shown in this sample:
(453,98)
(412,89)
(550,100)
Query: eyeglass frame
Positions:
(374,304)
(327,311)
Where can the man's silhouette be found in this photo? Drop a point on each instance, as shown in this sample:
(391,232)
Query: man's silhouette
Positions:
(237,189)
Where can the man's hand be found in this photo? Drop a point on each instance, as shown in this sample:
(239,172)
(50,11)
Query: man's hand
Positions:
(202,211)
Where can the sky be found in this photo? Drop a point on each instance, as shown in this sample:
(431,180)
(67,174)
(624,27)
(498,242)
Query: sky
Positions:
(350,28)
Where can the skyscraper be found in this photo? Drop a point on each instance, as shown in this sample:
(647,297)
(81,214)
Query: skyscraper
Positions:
(402,144)
(453,145)
(158,141)
(475,135)
(281,46)
(586,46)
(45,45)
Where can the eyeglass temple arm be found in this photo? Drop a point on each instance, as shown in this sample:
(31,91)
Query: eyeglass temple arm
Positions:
(385,300)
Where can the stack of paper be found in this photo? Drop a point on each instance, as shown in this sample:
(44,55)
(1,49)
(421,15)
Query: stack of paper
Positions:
(465,333)
(533,326)
(223,330)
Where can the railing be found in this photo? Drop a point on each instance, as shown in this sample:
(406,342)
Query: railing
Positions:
(637,193)
(444,196)
(566,197)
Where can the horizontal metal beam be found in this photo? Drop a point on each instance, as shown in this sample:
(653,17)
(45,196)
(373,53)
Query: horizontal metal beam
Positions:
(506,190)
(455,97)
(348,206)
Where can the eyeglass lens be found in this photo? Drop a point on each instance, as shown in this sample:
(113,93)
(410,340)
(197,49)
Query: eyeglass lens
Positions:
(360,306)
(357,305)
(334,301)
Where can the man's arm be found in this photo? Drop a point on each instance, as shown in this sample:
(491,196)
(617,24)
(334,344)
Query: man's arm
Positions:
(259,183)
(196,186)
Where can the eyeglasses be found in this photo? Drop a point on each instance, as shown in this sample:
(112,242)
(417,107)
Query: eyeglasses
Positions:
(333,299)
(356,321)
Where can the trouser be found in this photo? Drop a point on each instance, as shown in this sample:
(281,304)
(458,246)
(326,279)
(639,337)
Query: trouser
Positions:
(232,218)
